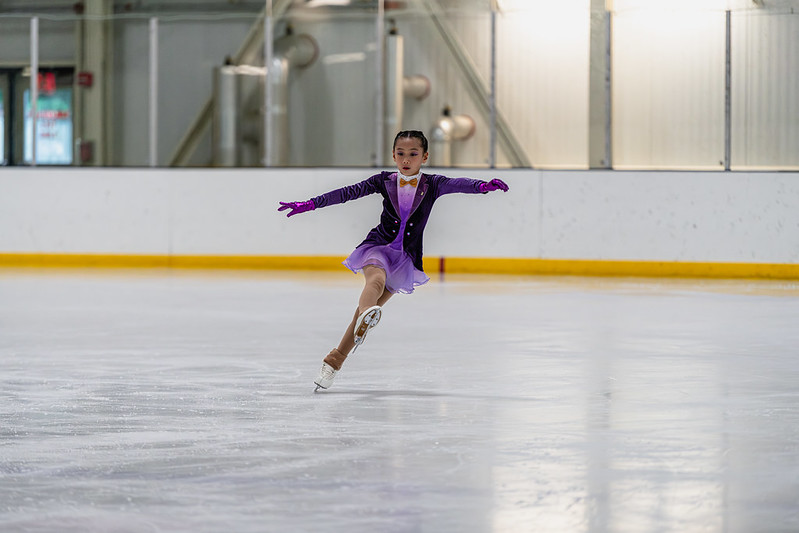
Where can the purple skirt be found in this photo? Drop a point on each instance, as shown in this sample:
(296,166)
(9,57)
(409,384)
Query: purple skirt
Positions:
(401,275)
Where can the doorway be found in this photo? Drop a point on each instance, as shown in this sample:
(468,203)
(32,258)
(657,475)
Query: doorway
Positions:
(54,117)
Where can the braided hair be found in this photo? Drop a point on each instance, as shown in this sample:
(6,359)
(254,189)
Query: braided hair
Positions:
(412,134)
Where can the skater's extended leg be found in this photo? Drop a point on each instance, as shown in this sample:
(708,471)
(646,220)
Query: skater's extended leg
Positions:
(348,340)
(373,288)
(374,294)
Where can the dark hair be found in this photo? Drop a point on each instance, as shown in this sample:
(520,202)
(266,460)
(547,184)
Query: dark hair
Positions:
(411,134)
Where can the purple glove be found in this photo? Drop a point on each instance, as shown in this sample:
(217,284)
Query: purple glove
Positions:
(493,185)
(297,207)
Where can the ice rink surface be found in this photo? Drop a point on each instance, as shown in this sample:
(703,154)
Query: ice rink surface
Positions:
(179,401)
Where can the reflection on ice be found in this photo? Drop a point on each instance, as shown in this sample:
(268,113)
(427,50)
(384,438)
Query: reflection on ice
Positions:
(183,402)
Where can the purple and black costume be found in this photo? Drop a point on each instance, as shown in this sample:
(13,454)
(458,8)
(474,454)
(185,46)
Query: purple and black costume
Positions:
(396,243)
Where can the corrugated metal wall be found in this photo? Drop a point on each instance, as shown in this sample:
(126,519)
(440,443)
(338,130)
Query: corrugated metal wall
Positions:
(668,85)
(668,81)
(765,93)
(543,66)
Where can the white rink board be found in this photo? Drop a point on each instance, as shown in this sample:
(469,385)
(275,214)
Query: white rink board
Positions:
(595,215)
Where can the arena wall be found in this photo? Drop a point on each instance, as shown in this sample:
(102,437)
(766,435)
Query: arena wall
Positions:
(582,222)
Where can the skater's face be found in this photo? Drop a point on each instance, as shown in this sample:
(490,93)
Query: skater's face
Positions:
(409,155)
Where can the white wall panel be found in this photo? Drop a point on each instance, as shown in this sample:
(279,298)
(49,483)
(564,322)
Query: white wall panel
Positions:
(654,216)
(236,213)
(671,216)
(70,210)
(492,225)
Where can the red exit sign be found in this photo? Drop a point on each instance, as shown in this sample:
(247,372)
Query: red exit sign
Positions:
(46,82)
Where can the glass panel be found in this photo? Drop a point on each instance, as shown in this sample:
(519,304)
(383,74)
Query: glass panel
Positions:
(131,95)
(191,48)
(449,45)
(668,87)
(668,83)
(332,104)
(53,125)
(765,90)
(543,78)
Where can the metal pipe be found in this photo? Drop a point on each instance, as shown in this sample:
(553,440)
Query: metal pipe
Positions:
(153,92)
(416,86)
(239,136)
(34,85)
(448,128)
(290,51)
(246,54)
(394,91)
(226,132)
(381,86)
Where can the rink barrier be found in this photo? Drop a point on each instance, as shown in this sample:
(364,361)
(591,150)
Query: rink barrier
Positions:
(171,261)
(655,269)
(432,265)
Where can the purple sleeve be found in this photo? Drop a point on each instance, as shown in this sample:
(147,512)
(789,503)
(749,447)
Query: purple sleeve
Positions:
(350,192)
(445,185)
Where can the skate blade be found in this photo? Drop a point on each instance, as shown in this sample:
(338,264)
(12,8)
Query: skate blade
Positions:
(369,322)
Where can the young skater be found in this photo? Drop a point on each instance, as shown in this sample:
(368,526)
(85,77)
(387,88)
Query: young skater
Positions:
(391,255)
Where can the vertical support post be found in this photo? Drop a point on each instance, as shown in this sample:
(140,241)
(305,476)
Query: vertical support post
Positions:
(380,119)
(600,87)
(728,93)
(34,85)
(78,96)
(269,53)
(608,89)
(98,58)
(492,148)
(153,92)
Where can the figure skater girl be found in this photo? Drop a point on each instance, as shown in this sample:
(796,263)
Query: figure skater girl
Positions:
(391,255)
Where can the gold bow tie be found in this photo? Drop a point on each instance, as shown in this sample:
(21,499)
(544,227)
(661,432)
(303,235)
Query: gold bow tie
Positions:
(412,182)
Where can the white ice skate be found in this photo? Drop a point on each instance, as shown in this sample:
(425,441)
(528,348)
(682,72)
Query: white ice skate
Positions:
(326,376)
(366,321)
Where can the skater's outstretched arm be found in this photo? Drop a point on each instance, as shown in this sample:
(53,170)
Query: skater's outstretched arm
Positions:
(337,196)
(444,185)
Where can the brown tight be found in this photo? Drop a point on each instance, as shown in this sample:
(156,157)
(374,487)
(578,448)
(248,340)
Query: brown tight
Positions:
(374,293)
